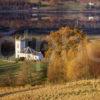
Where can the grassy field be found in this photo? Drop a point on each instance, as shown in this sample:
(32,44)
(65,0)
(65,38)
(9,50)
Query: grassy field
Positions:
(10,72)
(79,90)
(13,67)
(6,66)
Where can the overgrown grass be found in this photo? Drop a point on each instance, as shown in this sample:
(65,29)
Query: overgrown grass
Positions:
(32,72)
(80,90)
(6,66)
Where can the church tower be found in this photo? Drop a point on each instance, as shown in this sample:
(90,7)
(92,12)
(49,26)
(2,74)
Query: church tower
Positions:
(20,44)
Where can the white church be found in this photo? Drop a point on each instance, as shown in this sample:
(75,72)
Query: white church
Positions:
(22,50)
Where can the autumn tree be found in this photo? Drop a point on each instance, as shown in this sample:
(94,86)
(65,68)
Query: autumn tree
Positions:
(63,48)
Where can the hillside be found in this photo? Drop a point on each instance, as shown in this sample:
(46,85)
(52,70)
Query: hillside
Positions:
(80,90)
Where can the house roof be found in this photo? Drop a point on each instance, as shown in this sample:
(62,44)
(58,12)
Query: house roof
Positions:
(29,50)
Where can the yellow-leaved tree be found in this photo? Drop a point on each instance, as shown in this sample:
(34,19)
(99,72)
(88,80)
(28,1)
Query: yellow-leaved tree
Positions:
(63,49)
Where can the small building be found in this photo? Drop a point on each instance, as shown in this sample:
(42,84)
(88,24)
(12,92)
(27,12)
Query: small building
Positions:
(87,1)
(91,4)
(91,18)
(22,50)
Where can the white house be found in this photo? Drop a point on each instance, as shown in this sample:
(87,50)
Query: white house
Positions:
(21,50)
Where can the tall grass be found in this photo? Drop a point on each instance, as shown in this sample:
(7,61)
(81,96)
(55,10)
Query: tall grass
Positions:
(80,90)
(30,73)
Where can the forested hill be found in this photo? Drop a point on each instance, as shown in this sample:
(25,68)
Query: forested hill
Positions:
(13,3)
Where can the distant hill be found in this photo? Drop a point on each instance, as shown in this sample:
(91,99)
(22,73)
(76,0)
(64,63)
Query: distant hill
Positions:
(14,4)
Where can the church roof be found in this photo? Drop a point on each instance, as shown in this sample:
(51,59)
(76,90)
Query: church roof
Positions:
(29,50)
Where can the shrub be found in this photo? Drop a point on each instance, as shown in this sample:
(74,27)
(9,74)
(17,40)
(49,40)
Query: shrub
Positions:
(55,70)
(21,59)
(79,67)
(30,74)
(76,70)
(8,80)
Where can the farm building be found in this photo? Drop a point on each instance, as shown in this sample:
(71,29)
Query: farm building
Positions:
(23,50)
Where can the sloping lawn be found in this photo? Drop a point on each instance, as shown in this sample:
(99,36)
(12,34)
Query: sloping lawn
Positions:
(8,67)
